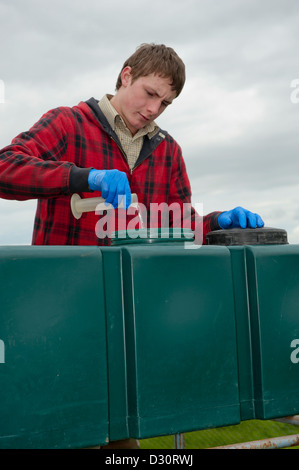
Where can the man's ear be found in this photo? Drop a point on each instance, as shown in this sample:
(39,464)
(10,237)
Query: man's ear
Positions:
(126,76)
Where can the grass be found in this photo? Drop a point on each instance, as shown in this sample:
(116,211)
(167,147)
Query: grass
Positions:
(243,432)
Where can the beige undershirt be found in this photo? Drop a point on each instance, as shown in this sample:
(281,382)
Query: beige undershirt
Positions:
(131,144)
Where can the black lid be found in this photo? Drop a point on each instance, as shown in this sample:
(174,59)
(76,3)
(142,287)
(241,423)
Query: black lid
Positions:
(248,236)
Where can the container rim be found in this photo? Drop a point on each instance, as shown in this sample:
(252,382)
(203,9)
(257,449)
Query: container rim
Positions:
(152,235)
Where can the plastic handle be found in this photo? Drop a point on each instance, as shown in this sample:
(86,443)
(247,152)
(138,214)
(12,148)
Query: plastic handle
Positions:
(91,204)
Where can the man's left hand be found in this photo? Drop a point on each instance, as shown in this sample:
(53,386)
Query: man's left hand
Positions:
(239,217)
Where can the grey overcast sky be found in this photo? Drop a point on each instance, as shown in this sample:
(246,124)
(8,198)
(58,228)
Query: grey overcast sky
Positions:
(236,119)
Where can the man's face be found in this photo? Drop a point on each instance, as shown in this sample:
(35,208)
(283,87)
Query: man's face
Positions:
(142,101)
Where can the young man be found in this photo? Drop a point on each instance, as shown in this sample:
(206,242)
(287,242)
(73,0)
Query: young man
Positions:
(110,147)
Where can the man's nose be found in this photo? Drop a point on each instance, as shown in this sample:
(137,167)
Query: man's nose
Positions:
(153,107)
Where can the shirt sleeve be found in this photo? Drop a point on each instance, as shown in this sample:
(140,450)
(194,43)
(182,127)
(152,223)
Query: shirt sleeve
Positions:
(33,165)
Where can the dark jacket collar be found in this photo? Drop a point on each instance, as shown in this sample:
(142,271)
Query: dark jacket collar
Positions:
(149,145)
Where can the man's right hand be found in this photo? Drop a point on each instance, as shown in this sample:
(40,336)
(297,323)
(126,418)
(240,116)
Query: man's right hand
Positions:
(113,184)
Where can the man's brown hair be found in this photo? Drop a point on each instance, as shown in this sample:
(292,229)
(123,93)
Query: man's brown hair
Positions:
(157,59)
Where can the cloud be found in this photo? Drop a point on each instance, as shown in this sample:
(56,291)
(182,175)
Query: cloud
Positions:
(234,120)
(16,222)
(213,115)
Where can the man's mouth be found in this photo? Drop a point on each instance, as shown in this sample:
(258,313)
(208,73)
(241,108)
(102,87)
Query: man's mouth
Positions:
(143,117)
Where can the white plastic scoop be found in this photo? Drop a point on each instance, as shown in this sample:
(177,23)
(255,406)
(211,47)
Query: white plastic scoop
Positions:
(91,204)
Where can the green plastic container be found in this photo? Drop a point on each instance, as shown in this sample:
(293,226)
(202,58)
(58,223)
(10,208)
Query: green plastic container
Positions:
(53,383)
(116,343)
(243,332)
(273,280)
(266,287)
(178,354)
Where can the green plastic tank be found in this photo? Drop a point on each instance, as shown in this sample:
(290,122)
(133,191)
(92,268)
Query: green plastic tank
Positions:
(53,380)
(177,358)
(266,285)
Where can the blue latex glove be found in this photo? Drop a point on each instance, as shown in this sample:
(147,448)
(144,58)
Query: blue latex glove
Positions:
(113,184)
(239,217)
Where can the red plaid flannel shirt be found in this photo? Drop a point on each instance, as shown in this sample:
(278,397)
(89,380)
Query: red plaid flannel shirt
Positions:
(52,160)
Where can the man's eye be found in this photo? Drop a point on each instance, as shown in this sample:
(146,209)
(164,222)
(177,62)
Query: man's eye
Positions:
(149,93)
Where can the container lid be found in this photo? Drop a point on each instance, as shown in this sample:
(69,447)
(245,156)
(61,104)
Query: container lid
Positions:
(153,235)
(247,236)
